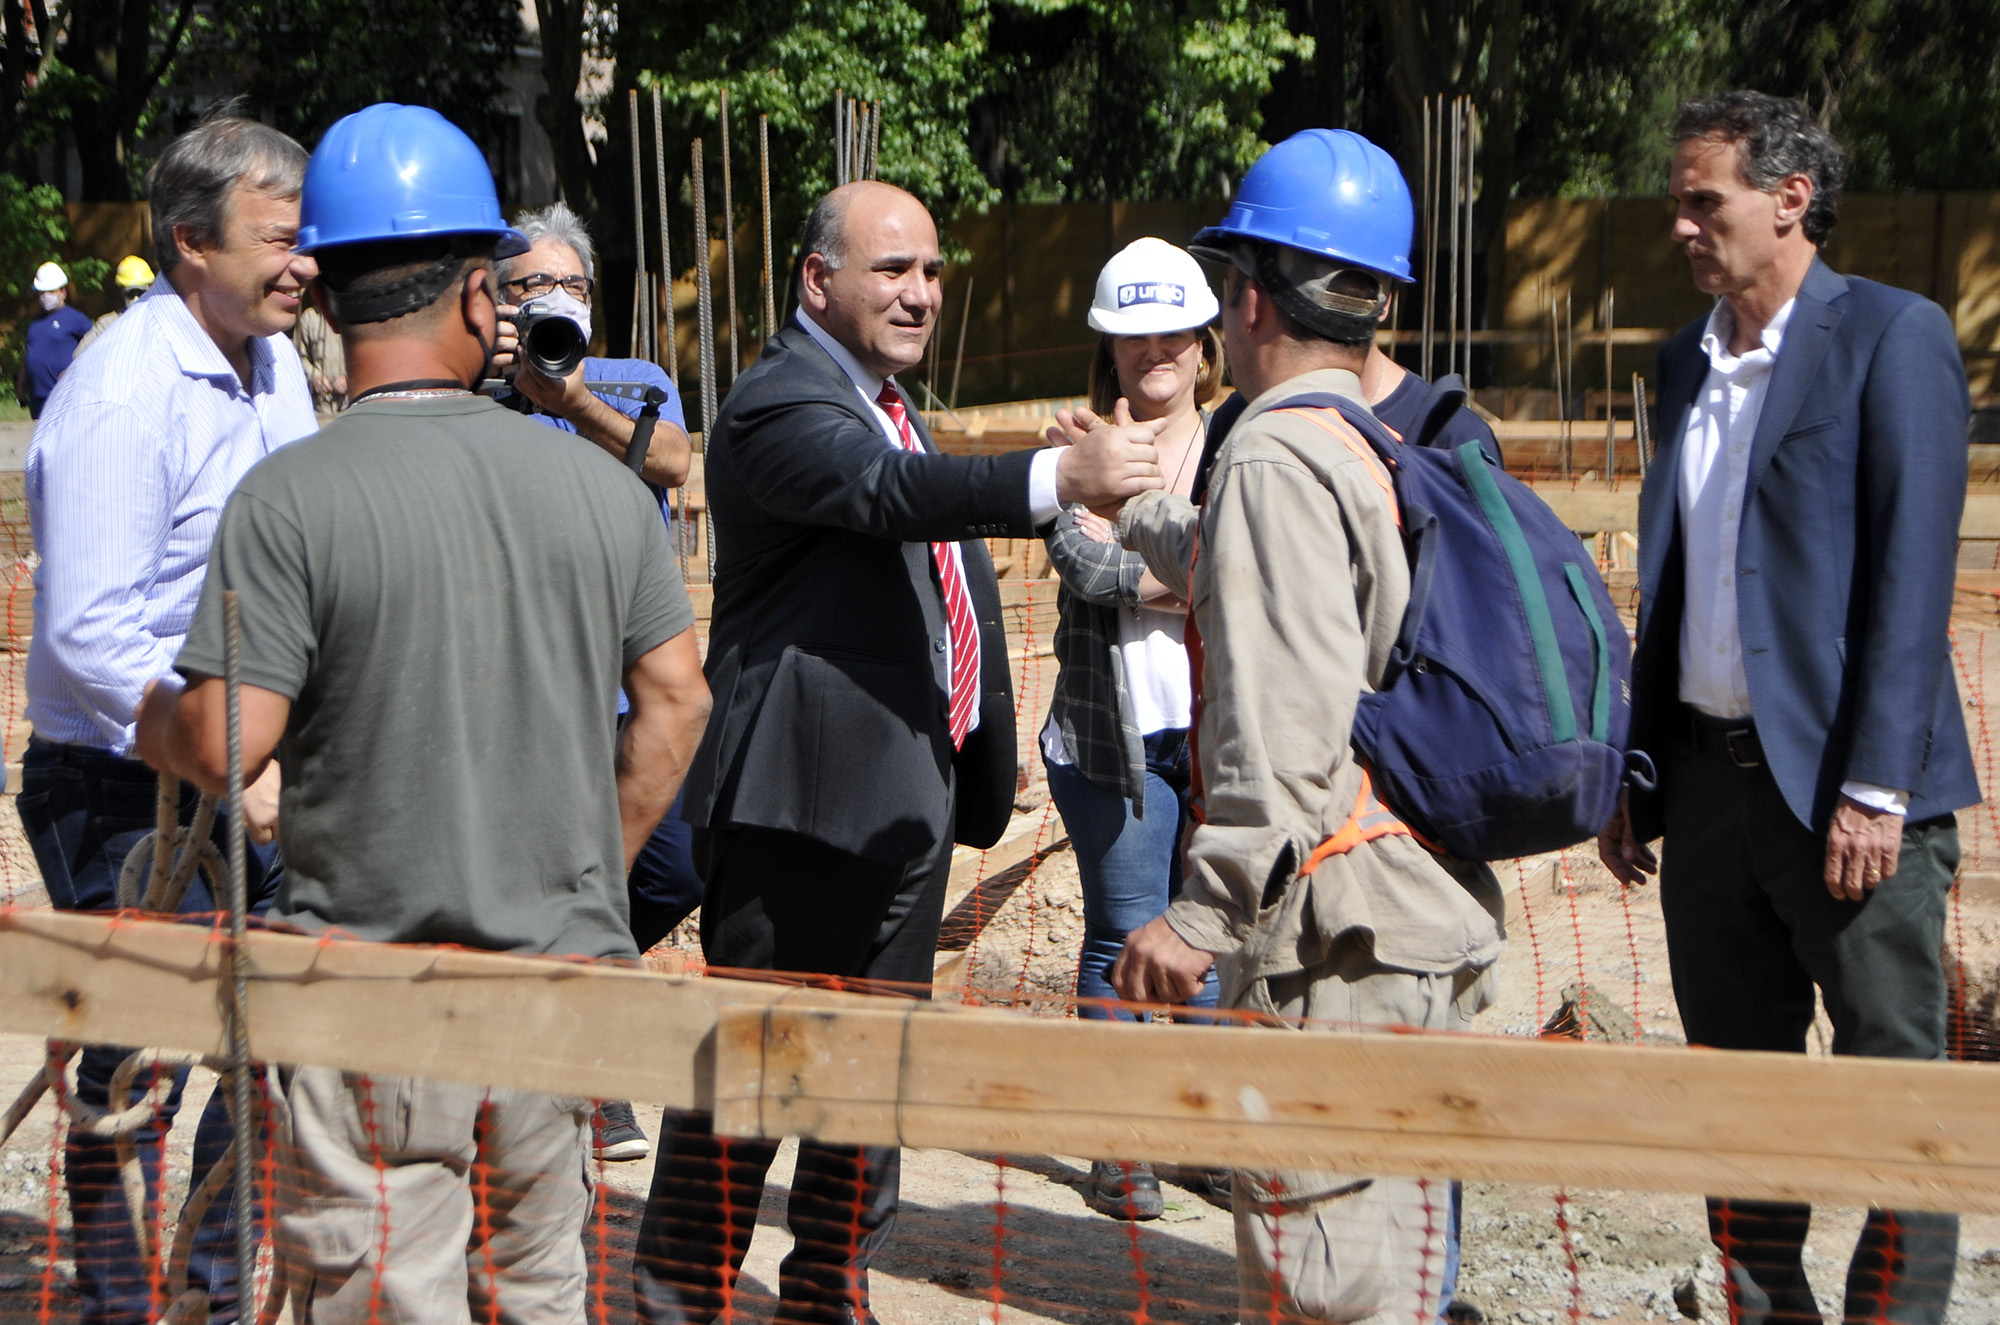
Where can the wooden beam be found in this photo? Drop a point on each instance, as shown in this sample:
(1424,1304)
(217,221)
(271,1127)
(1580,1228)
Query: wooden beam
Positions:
(844,1067)
(607,1031)
(1848,1130)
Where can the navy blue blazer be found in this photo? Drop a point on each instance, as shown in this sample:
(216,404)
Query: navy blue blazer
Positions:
(1844,564)
(826,651)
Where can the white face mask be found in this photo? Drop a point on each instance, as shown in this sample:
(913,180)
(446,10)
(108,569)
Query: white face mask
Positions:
(50,298)
(561,301)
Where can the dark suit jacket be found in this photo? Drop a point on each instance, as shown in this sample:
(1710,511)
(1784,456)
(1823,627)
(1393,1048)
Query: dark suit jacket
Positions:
(826,653)
(1844,563)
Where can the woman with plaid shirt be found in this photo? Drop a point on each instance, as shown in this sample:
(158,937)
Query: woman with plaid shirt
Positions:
(1115,743)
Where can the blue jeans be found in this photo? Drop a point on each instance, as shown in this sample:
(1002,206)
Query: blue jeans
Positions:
(1130,867)
(83,810)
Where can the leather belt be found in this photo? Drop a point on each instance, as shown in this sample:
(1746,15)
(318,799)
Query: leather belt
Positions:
(1733,739)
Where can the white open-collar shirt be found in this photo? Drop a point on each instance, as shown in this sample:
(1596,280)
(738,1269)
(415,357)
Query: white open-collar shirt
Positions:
(1715,469)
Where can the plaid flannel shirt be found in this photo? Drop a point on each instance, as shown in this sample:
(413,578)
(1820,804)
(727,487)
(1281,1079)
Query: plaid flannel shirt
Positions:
(1091,707)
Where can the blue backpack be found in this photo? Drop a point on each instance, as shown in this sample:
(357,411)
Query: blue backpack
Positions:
(1499,728)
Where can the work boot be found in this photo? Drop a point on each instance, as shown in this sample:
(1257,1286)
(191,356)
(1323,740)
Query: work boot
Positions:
(1124,1190)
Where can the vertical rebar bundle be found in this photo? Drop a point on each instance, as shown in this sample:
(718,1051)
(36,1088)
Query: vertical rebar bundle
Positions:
(1430,204)
(857,137)
(1471,129)
(728,236)
(704,320)
(1451,317)
(1610,426)
(671,358)
(244,1144)
(642,287)
(764,192)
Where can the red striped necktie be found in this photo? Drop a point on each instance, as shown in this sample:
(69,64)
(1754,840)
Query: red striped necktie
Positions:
(957,601)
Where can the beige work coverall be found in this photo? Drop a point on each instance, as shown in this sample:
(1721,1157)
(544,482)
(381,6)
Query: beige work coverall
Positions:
(1297,590)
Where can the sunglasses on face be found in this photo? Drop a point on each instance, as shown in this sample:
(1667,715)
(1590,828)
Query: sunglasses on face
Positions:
(538,283)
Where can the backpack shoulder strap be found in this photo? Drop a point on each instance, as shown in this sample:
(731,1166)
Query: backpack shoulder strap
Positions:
(1445,399)
(1355,429)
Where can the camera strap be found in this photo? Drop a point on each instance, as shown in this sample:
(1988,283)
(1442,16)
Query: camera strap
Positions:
(650,398)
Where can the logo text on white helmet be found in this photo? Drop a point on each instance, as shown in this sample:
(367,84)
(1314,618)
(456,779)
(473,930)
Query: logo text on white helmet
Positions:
(1152,292)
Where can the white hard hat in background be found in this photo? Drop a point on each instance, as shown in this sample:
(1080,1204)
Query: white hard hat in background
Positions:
(1151,286)
(49,277)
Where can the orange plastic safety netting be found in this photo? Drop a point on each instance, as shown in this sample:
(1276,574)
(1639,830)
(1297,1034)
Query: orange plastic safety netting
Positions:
(522,1214)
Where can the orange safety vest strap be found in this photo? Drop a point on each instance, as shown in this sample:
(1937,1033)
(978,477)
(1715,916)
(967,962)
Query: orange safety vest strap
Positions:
(1355,442)
(1370,820)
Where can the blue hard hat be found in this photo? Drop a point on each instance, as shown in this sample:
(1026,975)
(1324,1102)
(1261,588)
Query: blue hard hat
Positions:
(399,172)
(1328,192)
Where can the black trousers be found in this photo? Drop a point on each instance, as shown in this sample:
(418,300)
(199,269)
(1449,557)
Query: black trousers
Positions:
(777,901)
(1751,932)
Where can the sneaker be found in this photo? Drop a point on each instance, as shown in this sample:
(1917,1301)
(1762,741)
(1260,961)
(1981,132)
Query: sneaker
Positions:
(618,1134)
(1124,1191)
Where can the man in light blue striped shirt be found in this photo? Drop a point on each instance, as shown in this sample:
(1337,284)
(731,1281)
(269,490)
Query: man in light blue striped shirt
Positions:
(137,450)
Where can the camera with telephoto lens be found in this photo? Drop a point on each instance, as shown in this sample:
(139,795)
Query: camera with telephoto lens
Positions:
(553,339)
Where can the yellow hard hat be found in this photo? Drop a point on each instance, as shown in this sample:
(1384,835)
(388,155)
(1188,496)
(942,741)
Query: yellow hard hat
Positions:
(134,274)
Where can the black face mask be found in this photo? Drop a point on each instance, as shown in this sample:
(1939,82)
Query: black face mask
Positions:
(492,348)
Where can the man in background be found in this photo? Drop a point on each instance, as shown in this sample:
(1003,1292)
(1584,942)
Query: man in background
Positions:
(134,278)
(53,337)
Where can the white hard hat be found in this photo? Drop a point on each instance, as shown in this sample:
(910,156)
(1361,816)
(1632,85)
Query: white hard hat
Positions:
(1151,286)
(49,277)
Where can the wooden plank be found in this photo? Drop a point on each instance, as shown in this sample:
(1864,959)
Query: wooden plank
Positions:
(607,1031)
(1845,1130)
(1982,516)
(1588,508)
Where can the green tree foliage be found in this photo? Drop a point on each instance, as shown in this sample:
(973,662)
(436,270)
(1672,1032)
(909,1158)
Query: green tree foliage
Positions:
(1911,86)
(302,64)
(983,100)
(93,67)
(924,59)
(1111,99)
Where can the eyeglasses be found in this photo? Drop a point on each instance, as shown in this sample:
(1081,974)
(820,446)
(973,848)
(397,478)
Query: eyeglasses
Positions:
(538,283)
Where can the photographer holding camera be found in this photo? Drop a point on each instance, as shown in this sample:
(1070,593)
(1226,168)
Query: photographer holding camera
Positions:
(556,277)
(549,288)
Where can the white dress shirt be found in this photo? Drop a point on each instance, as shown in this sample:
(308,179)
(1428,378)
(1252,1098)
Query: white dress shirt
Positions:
(142,441)
(1714,470)
(1042,502)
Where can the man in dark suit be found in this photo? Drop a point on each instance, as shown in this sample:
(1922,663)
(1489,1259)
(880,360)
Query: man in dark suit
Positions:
(1793,682)
(864,715)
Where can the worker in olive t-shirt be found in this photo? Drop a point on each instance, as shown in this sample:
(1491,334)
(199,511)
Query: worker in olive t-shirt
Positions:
(439,607)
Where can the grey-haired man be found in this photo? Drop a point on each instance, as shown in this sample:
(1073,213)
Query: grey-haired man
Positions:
(141,443)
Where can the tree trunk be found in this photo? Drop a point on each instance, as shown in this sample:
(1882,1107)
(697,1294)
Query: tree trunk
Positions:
(556,109)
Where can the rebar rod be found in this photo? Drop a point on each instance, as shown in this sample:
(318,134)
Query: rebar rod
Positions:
(1471,161)
(839,138)
(244,1141)
(705,323)
(764,192)
(1451,303)
(1610,415)
(958,362)
(1641,441)
(1430,244)
(640,288)
(729,239)
(671,359)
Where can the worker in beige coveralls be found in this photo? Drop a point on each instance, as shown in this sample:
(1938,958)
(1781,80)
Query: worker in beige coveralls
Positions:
(1298,587)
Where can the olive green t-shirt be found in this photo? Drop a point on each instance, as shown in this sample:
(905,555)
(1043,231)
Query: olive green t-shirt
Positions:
(449,595)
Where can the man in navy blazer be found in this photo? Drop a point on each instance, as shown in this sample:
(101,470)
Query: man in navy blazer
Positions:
(1793,684)
(863,716)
